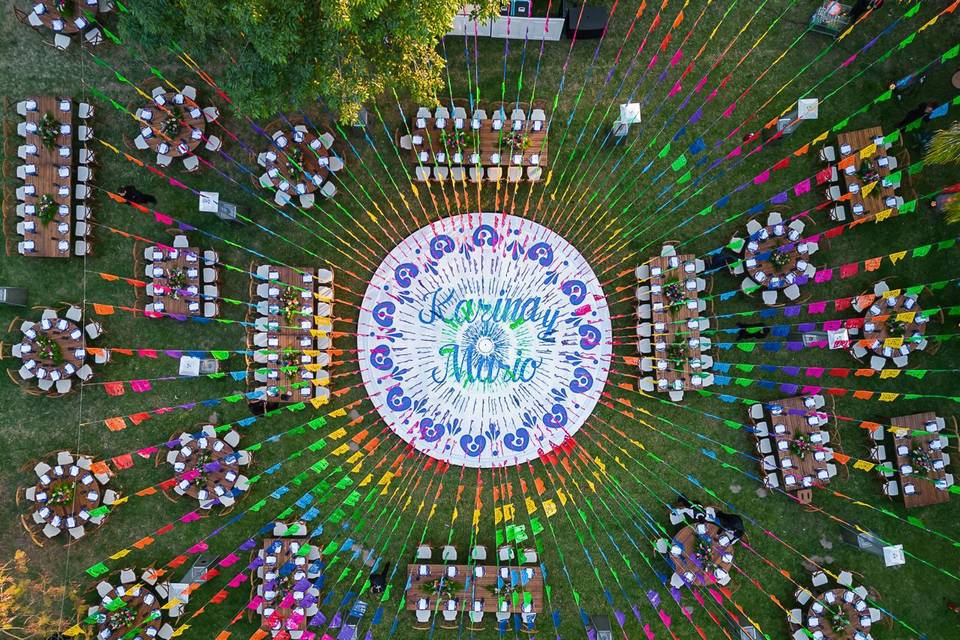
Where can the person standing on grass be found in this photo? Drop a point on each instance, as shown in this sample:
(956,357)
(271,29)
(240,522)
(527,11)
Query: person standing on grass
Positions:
(378,581)
(136,196)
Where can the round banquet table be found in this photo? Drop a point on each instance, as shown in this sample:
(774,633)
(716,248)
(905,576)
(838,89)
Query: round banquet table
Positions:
(845,607)
(71,348)
(766,248)
(503,335)
(305,150)
(691,558)
(81,482)
(190,117)
(881,328)
(194,455)
(114,625)
(53,17)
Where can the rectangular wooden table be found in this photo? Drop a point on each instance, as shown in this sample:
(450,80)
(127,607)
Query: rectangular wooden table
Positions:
(675,321)
(290,335)
(484,141)
(875,202)
(926,492)
(284,554)
(796,425)
(181,304)
(47,180)
(473,588)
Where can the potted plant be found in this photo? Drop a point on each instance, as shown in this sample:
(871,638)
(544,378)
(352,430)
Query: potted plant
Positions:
(62,493)
(290,304)
(46,208)
(294,158)
(839,621)
(921,461)
(456,141)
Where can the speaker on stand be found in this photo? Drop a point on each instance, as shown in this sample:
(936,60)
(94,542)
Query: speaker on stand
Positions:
(585,25)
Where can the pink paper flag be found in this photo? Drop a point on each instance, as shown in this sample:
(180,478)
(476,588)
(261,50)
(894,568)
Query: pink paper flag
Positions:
(817,307)
(140,386)
(255,602)
(824,275)
(200,547)
(802,187)
(674,91)
(229,560)
(190,517)
(646,630)
(664,617)
(237,580)
(761,178)
(729,110)
(734,153)
(676,57)
(146,452)
(161,218)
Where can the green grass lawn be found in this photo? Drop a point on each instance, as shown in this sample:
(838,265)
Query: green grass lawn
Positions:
(597,547)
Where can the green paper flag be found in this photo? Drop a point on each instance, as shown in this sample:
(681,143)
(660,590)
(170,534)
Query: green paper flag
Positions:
(685,177)
(891,138)
(220,355)
(97,570)
(952,53)
(663,152)
(883,97)
(906,41)
(679,163)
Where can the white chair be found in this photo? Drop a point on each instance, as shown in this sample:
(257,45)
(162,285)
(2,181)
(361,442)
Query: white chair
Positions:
(191,164)
(213,143)
(64,386)
(792,292)
(84,111)
(141,143)
(61,41)
(478,553)
(833,193)
(307,200)
(335,163)
(476,174)
(494,174)
(406,142)
(753,227)
(94,330)
(769,297)
(505,554)
(164,160)
(422,174)
(180,241)
(828,154)
(328,190)
(326,139)
(210,257)
(424,552)
(189,91)
(210,114)
(819,578)
(514,173)
(880,288)
(845,579)
(891,489)
(81,248)
(877,363)
(448,553)
(211,310)
(266,181)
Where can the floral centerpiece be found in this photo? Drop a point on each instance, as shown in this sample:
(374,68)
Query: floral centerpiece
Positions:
(48,129)
(48,349)
(62,493)
(294,160)
(65,8)
(868,173)
(921,461)
(675,351)
(674,293)
(171,125)
(202,459)
(290,304)
(801,446)
(704,555)
(839,622)
(896,328)
(518,141)
(443,588)
(46,208)
(779,259)
(177,281)
(122,619)
(456,141)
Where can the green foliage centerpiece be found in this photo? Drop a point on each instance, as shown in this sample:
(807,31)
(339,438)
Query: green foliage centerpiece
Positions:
(779,259)
(290,304)
(65,8)
(443,588)
(46,208)
(294,158)
(171,125)
(62,493)
(801,446)
(48,349)
(177,281)
(456,141)
(518,141)
(921,461)
(48,129)
(674,293)
(839,622)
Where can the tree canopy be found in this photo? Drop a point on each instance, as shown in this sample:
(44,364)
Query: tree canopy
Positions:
(274,55)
